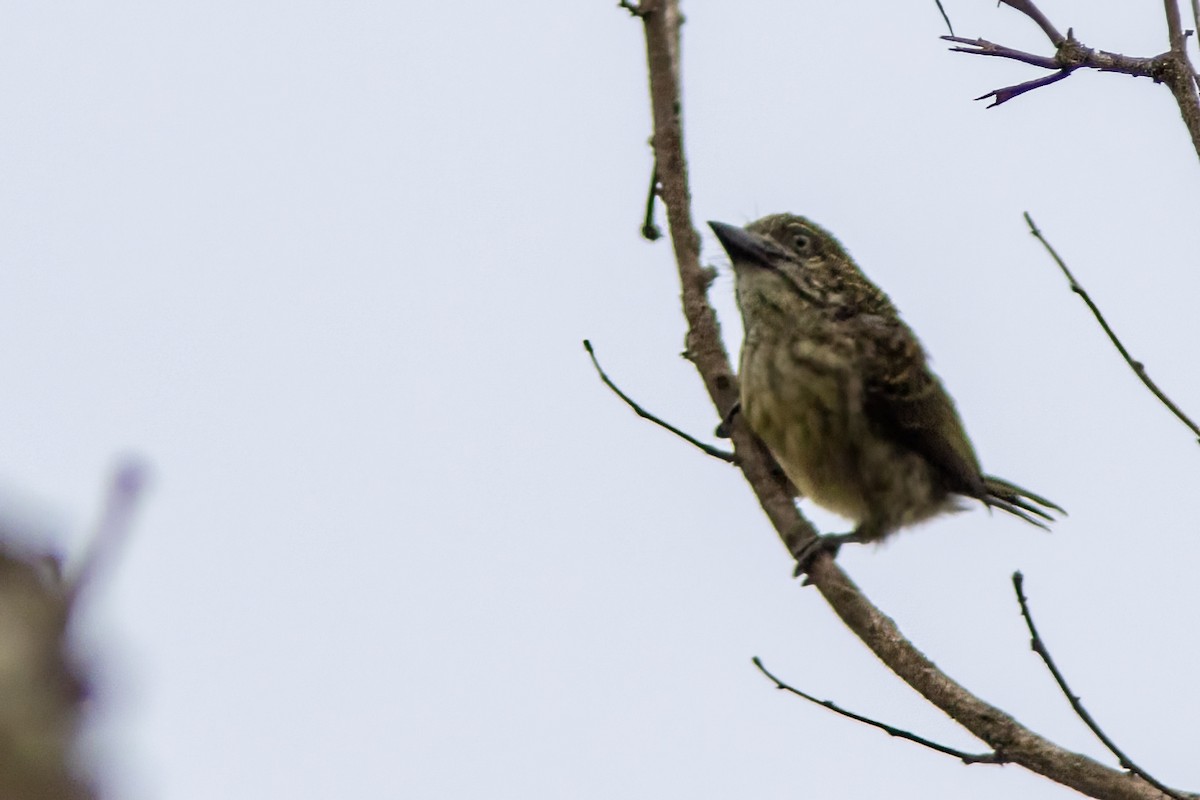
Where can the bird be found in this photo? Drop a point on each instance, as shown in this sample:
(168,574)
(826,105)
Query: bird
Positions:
(840,390)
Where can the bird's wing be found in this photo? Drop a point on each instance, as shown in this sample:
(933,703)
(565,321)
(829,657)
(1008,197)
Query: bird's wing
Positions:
(908,404)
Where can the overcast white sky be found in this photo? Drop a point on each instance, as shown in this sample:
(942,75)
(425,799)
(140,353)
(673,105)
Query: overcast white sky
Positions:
(327,265)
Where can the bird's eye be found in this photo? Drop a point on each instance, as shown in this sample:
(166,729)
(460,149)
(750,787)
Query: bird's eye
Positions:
(801,242)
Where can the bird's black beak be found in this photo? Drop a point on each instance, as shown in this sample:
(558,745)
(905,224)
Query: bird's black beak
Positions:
(741,245)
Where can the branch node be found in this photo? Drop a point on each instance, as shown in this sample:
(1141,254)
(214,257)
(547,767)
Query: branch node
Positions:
(634,9)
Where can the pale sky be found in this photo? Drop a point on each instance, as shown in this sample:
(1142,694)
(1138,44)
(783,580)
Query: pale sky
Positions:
(326,267)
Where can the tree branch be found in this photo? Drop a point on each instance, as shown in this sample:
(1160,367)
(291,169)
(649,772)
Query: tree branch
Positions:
(644,414)
(946,19)
(890,730)
(128,482)
(650,231)
(1027,8)
(1038,646)
(1138,367)
(1172,67)
(705,348)
(661,20)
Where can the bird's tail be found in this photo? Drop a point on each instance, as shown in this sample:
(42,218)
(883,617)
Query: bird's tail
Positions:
(1019,502)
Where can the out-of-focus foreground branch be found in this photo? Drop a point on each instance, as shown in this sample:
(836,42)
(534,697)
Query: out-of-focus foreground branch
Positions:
(43,690)
(661,20)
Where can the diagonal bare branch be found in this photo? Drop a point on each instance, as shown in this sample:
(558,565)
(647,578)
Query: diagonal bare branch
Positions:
(1138,367)
(708,449)
(1038,645)
(1009,92)
(1030,10)
(890,730)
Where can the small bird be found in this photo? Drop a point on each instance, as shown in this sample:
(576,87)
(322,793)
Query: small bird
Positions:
(839,389)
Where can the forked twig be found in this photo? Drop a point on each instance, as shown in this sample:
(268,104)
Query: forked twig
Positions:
(715,452)
(1138,367)
(1039,647)
(1172,68)
(890,730)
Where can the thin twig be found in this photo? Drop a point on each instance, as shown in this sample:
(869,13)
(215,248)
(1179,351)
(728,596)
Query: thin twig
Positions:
(1172,68)
(650,231)
(965,757)
(982,47)
(634,9)
(1138,367)
(945,18)
(644,414)
(1038,646)
(128,482)
(1027,8)
(1009,92)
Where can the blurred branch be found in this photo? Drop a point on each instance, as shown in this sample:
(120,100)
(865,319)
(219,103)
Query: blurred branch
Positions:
(1138,367)
(890,730)
(41,689)
(661,20)
(644,414)
(129,480)
(1172,67)
(1038,646)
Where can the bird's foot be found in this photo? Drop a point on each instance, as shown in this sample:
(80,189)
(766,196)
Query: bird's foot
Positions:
(829,543)
(725,429)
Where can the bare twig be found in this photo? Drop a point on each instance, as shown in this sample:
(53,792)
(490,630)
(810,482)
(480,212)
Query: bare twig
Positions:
(128,482)
(1171,68)
(1002,733)
(1138,367)
(644,414)
(634,9)
(890,730)
(982,47)
(1027,8)
(1070,56)
(1009,92)
(650,231)
(946,19)
(1038,646)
